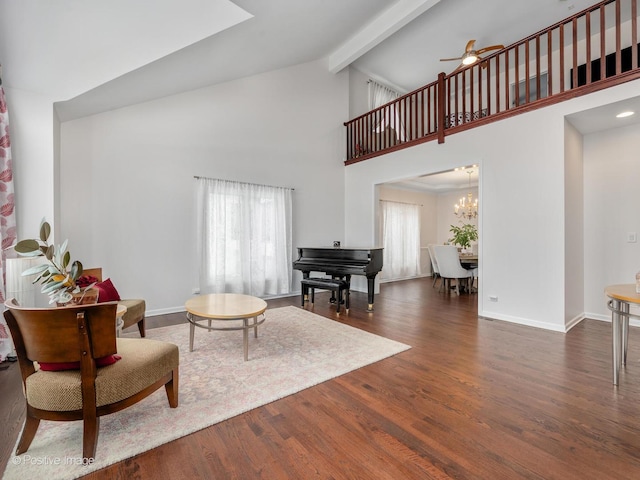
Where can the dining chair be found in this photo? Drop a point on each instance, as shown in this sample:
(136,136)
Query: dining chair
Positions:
(434,265)
(450,267)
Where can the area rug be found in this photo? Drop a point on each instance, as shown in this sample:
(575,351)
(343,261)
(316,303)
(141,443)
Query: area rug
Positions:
(295,349)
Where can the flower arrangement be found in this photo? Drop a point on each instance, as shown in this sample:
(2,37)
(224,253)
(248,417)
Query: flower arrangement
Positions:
(61,278)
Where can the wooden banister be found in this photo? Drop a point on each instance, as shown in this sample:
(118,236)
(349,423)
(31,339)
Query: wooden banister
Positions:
(501,84)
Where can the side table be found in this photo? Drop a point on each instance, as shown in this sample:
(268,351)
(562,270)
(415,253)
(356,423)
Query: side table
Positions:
(621,297)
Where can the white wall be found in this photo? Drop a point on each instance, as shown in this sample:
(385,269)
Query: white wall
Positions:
(612,211)
(358,93)
(574,227)
(506,232)
(127,182)
(31,120)
(522,195)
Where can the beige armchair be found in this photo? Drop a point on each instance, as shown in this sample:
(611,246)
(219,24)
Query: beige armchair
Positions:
(136,307)
(74,341)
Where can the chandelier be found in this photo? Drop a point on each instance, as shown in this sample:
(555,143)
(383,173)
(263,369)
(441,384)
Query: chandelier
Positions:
(467,207)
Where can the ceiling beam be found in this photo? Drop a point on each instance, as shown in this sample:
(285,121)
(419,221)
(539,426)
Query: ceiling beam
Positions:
(382,27)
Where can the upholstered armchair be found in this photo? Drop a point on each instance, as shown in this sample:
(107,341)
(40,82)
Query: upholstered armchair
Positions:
(60,352)
(136,307)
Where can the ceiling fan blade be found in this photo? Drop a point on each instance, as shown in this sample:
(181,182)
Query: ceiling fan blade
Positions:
(469,46)
(449,59)
(492,47)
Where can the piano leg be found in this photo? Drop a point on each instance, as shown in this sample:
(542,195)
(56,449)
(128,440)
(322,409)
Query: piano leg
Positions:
(370,289)
(305,291)
(348,292)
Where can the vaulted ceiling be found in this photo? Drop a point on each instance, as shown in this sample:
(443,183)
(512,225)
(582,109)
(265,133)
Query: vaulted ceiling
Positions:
(96,55)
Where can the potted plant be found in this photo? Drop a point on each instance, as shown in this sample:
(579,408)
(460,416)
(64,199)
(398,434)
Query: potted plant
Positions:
(464,235)
(59,276)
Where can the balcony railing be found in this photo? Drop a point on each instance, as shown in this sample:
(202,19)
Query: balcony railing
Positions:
(592,50)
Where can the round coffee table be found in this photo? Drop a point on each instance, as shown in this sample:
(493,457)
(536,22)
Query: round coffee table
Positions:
(225,307)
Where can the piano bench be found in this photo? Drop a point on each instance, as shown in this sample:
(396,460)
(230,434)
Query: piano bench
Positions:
(338,285)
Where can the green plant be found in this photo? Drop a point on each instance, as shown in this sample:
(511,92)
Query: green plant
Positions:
(464,235)
(58,277)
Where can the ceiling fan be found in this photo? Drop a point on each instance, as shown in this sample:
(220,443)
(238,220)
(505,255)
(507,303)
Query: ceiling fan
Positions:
(471,56)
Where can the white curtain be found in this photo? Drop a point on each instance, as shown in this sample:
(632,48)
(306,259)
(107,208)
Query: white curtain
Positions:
(244,238)
(401,240)
(7,215)
(390,116)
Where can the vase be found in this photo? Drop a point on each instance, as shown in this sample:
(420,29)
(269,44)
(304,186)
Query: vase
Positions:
(85,297)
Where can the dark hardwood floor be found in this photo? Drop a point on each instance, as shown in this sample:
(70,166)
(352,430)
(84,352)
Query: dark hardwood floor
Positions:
(472,399)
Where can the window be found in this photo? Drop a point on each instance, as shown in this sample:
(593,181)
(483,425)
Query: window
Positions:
(244,238)
(401,240)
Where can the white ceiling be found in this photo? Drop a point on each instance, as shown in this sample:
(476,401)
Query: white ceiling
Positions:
(96,55)
(67,47)
(441,182)
(410,58)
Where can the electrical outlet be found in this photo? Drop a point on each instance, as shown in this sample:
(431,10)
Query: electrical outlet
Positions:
(632,237)
(493,298)
(196,291)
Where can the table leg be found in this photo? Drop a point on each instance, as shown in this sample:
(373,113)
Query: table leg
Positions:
(192,329)
(245,338)
(255,328)
(616,334)
(625,332)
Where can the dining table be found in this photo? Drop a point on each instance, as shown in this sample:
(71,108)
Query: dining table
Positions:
(468,260)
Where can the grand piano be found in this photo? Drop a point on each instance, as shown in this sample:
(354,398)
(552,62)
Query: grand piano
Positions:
(341,262)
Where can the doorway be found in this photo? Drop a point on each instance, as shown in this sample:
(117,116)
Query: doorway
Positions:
(436,196)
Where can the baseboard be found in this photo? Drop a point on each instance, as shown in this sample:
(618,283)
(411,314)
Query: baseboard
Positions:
(170,310)
(607,318)
(403,279)
(522,321)
(164,311)
(574,321)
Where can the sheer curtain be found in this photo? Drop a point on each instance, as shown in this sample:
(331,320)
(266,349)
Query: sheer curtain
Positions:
(244,238)
(400,239)
(389,117)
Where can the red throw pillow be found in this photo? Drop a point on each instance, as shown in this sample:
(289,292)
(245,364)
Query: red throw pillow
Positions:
(56,367)
(107,292)
(85,280)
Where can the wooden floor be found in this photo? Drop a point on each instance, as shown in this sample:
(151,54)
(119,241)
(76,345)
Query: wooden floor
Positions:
(472,399)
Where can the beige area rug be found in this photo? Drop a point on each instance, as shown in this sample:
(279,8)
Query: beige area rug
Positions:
(295,349)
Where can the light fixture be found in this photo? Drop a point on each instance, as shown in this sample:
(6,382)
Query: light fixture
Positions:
(624,114)
(469,57)
(467,207)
